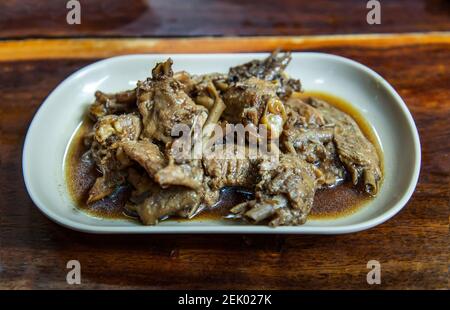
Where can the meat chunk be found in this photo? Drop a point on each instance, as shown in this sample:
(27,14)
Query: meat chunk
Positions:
(163,103)
(230,167)
(307,135)
(354,150)
(152,202)
(269,69)
(146,154)
(285,194)
(253,102)
(142,185)
(246,101)
(123,102)
(112,171)
(301,114)
(162,203)
(113,128)
(316,147)
(187,174)
(304,124)
(109,132)
(149,156)
(186,188)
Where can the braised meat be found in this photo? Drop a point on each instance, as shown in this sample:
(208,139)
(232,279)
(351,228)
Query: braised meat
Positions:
(105,104)
(254,102)
(108,134)
(163,103)
(230,167)
(146,154)
(269,69)
(355,151)
(162,203)
(284,194)
(309,136)
(174,143)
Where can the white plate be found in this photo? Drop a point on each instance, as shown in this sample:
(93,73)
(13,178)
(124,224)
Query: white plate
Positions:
(61,113)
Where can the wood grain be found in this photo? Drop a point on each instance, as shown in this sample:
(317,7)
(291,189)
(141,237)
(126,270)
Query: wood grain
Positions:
(143,18)
(89,48)
(413,247)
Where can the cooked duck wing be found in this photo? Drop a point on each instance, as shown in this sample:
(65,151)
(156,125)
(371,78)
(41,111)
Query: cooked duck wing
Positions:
(356,152)
(163,103)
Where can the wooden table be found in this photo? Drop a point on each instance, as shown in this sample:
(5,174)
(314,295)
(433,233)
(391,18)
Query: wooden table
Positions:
(38,51)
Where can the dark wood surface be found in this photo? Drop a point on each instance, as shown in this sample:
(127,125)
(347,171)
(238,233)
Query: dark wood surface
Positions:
(27,18)
(413,247)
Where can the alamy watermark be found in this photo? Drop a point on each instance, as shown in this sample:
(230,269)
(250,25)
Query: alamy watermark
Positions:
(374,275)
(73,16)
(74,274)
(233,141)
(373,17)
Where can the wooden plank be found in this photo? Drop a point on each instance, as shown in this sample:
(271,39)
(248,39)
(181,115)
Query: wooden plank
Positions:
(413,247)
(138,18)
(33,49)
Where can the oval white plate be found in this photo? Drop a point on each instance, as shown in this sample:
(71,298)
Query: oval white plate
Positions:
(61,113)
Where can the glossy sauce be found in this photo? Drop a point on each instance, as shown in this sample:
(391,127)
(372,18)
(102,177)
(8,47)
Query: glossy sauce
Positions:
(81,174)
(328,203)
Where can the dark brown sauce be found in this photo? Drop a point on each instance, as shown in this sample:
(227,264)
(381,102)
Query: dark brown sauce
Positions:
(332,203)
(81,174)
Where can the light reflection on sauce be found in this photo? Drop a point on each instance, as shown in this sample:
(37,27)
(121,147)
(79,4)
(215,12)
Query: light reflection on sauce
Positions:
(332,203)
